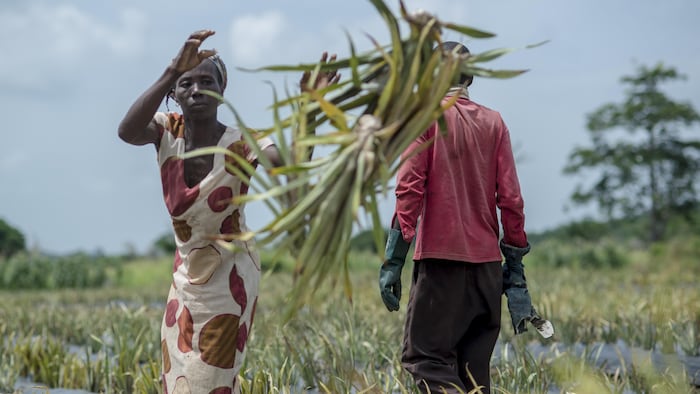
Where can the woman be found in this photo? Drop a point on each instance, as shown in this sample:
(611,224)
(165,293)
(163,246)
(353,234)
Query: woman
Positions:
(212,299)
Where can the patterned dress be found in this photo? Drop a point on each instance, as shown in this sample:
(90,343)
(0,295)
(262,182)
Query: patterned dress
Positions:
(212,299)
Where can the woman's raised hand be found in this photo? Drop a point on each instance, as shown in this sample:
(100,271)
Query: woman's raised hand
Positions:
(190,55)
(323,79)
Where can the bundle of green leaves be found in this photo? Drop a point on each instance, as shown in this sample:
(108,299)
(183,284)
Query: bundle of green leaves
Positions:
(394,93)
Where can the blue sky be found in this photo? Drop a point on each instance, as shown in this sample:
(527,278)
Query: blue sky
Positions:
(70,69)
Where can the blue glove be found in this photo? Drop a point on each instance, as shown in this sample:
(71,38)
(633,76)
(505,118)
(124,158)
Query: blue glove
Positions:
(515,287)
(390,273)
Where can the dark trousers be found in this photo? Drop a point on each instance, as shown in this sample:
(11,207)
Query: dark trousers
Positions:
(452,323)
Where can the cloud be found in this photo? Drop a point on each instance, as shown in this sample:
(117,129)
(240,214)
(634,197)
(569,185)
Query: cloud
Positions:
(44,41)
(253,36)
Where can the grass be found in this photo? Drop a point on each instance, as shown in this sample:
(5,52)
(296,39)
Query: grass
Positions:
(144,272)
(107,340)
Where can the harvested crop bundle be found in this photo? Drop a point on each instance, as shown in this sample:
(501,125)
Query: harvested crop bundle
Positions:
(392,94)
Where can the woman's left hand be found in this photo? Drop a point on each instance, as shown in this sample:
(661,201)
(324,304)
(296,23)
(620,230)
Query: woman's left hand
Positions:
(323,79)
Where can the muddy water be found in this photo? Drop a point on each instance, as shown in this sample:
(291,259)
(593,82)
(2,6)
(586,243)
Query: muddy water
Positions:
(25,386)
(613,358)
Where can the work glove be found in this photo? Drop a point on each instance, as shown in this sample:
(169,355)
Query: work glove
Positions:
(390,272)
(515,288)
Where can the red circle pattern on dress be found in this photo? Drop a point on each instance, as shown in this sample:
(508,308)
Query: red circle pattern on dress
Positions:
(183,231)
(165,355)
(170,312)
(220,198)
(240,148)
(221,390)
(178,197)
(186,327)
(232,224)
(237,287)
(217,340)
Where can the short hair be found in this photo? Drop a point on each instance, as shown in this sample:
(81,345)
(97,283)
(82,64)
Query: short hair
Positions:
(451,46)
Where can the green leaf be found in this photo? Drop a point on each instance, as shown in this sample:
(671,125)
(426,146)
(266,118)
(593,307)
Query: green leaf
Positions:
(482,72)
(468,31)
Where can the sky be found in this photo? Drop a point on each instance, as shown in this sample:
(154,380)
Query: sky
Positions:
(69,70)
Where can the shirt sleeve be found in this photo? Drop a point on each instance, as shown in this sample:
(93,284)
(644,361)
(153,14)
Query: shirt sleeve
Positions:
(411,183)
(263,143)
(161,120)
(508,197)
(166,121)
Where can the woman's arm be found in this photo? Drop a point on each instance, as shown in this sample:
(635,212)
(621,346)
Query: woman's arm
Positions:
(137,127)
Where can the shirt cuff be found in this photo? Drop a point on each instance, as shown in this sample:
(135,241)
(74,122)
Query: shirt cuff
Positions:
(408,233)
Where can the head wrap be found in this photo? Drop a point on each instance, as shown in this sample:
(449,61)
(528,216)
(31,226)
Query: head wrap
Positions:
(221,68)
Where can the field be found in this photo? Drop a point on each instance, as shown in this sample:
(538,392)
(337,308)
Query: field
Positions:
(627,320)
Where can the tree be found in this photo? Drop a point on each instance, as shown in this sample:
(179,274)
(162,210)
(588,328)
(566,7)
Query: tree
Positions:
(364,242)
(165,244)
(11,240)
(649,170)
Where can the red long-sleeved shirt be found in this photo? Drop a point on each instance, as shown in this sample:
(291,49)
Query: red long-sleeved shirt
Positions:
(455,185)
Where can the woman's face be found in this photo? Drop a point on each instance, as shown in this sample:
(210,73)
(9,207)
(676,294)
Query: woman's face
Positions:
(189,90)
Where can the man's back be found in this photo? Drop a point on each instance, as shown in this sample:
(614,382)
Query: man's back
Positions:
(456,184)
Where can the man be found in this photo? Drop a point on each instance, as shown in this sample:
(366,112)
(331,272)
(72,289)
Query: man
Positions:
(453,180)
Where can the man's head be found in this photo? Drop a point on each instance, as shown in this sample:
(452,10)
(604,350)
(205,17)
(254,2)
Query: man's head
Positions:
(460,49)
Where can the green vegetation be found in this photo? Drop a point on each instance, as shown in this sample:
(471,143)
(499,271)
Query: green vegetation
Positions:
(11,240)
(107,339)
(652,174)
(36,271)
(165,244)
